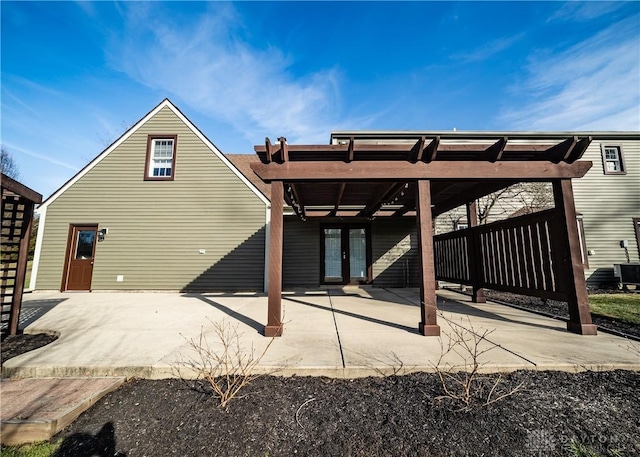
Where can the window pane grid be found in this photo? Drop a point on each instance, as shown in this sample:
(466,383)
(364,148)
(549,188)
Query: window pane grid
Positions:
(161,161)
(612,158)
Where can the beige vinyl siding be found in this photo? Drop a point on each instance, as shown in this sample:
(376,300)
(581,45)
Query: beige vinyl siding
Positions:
(608,203)
(156,228)
(393,248)
(394,245)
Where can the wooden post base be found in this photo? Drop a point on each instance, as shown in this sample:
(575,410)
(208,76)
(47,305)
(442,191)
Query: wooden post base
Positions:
(428,330)
(582,329)
(478,296)
(272,331)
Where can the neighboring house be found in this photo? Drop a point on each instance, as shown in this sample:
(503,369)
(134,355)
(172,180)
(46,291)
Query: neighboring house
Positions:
(163,209)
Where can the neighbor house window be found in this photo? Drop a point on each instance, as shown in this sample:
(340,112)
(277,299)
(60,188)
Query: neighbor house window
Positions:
(461,225)
(161,157)
(613,160)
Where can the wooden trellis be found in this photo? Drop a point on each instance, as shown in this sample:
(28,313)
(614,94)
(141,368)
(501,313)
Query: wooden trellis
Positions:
(18,202)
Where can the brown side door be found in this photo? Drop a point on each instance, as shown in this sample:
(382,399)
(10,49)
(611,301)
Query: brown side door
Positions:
(81,248)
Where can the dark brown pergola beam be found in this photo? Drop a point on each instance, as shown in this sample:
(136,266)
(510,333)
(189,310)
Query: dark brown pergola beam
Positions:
(494,152)
(350,150)
(578,150)
(417,150)
(405,209)
(401,170)
(434,146)
(339,198)
(20,189)
(284,149)
(479,190)
(268,149)
(432,150)
(561,151)
(377,202)
(296,195)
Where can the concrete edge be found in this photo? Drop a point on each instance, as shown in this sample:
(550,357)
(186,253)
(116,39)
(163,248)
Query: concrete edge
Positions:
(351,372)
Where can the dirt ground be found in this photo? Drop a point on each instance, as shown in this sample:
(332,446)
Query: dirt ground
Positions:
(552,413)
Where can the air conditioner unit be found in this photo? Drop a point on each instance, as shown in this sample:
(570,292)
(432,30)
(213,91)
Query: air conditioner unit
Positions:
(627,273)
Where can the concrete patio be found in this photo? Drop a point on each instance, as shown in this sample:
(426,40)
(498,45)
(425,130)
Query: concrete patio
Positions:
(346,332)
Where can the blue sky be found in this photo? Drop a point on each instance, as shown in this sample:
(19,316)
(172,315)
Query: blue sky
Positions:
(75,75)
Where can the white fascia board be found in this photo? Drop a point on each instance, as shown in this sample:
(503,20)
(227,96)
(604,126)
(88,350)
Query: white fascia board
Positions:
(42,213)
(131,131)
(267,245)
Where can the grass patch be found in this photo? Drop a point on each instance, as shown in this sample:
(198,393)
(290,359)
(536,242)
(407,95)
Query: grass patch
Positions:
(623,307)
(44,449)
(27,277)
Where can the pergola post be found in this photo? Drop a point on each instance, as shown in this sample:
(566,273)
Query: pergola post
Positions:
(475,255)
(428,325)
(274,314)
(578,299)
(21,269)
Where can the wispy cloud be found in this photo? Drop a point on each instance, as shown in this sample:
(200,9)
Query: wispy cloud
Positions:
(488,50)
(593,84)
(46,158)
(585,10)
(207,66)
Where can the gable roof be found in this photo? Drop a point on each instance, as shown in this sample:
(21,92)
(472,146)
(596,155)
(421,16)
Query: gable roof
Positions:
(166,103)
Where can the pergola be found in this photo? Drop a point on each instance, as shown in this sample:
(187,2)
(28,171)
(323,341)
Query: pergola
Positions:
(426,178)
(18,202)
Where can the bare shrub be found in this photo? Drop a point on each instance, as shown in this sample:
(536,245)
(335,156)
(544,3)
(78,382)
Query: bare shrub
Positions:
(463,383)
(226,367)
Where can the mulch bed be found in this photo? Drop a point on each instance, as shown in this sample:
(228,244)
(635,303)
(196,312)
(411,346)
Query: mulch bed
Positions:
(15,345)
(395,416)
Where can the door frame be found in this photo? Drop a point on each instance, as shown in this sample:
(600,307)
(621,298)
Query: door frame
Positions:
(346,279)
(73,229)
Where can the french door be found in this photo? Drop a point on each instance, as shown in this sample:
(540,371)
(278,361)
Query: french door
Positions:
(346,254)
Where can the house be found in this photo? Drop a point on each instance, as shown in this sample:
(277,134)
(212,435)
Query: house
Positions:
(163,209)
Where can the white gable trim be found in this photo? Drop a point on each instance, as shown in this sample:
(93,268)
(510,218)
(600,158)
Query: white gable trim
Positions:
(42,213)
(219,154)
(165,103)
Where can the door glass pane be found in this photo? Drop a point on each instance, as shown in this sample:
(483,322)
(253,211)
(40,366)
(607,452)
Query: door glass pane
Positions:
(84,248)
(357,253)
(332,254)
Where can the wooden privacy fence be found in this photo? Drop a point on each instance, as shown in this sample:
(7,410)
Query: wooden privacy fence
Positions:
(522,255)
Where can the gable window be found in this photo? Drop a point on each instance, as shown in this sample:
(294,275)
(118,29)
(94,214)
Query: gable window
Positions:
(161,157)
(613,160)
